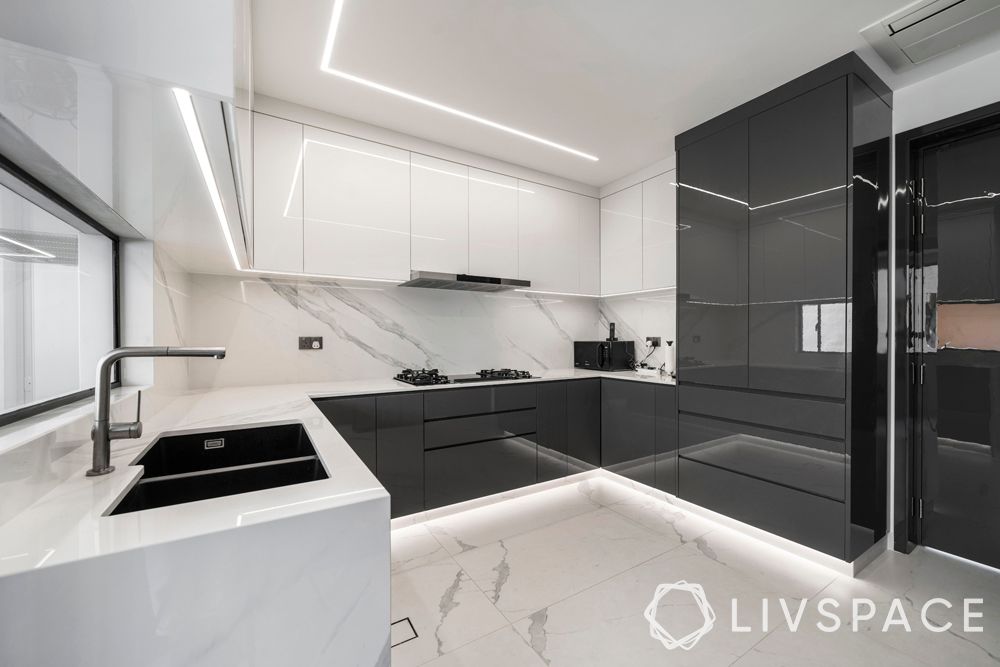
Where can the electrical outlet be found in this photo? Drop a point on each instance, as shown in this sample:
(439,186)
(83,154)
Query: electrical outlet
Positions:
(653,341)
(310,342)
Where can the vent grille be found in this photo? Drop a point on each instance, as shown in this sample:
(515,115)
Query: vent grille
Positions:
(917,34)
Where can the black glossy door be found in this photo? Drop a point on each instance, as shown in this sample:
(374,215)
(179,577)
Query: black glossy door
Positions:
(400,448)
(798,244)
(712,259)
(583,425)
(628,429)
(551,435)
(961,353)
(354,419)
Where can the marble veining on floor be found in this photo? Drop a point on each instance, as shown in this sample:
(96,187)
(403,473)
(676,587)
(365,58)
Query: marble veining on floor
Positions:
(563,576)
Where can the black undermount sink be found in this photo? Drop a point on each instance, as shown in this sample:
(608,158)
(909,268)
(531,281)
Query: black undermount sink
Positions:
(211,464)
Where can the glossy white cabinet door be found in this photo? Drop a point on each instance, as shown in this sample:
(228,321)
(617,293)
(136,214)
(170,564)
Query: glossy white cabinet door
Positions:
(277,194)
(492,224)
(621,241)
(659,232)
(439,215)
(548,248)
(558,235)
(357,207)
(590,244)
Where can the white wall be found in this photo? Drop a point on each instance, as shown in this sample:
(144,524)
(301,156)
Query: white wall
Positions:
(963,88)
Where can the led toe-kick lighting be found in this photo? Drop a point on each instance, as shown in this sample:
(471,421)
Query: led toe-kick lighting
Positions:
(326,66)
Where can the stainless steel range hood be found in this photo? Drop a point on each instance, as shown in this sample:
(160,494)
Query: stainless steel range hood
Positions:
(464,282)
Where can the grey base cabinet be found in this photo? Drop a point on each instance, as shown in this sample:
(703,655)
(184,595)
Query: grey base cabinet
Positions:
(665,439)
(354,419)
(399,446)
(464,472)
(583,425)
(628,429)
(387,434)
(552,436)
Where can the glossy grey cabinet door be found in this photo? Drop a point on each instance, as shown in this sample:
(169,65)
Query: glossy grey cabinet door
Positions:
(583,425)
(400,447)
(354,419)
(798,244)
(712,259)
(665,451)
(802,517)
(552,431)
(628,429)
(463,472)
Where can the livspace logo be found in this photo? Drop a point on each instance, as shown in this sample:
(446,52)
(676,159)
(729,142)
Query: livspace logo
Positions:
(835,615)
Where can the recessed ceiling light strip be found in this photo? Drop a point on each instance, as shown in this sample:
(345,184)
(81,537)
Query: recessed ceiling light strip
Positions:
(325,65)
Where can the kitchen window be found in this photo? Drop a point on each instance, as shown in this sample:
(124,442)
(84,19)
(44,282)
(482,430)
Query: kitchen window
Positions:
(58,306)
(824,327)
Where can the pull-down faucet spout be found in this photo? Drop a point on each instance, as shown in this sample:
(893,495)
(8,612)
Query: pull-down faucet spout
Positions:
(103,431)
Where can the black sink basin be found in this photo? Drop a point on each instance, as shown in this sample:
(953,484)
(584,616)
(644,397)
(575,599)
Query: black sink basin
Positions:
(197,466)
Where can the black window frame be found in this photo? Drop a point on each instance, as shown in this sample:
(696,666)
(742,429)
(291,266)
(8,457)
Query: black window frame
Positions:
(59,209)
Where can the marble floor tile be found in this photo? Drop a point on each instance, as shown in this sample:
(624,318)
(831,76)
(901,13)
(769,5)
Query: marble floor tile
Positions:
(913,640)
(503,648)
(604,625)
(661,517)
(926,574)
(529,571)
(414,546)
(485,525)
(783,648)
(446,609)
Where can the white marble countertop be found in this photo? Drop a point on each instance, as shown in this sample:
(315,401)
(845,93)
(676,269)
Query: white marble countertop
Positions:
(70,523)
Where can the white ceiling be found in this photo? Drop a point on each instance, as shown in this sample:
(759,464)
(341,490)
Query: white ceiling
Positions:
(614,79)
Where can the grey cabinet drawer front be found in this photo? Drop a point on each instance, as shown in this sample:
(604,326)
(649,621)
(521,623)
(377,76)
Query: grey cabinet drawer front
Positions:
(444,403)
(816,522)
(460,430)
(803,462)
(455,474)
(784,412)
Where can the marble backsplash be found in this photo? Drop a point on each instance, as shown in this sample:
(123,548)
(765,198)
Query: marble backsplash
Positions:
(640,315)
(372,331)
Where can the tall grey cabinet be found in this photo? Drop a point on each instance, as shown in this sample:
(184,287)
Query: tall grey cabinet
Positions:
(782,318)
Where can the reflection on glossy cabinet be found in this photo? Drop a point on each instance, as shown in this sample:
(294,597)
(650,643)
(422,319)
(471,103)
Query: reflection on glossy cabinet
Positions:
(621,241)
(357,207)
(712,259)
(628,429)
(659,232)
(558,234)
(277,194)
(798,244)
(492,224)
(439,215)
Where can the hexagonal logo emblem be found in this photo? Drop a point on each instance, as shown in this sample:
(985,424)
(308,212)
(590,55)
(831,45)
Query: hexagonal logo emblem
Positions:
(688,641)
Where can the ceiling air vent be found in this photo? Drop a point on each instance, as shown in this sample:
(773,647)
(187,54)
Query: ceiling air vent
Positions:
(924,30)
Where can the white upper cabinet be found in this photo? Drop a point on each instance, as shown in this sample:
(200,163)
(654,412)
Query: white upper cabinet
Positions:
(556,238)
(590,244)
(621,241)
(357,207)
(439,215)
(659,232)
(492,224)
(277,194)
